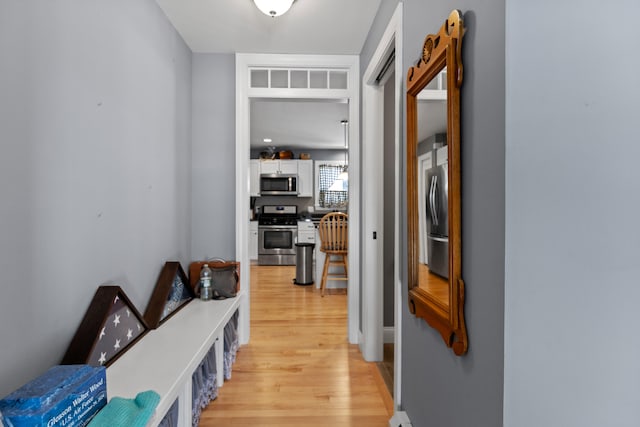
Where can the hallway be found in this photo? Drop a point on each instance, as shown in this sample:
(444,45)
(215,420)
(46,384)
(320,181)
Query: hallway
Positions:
(298,368)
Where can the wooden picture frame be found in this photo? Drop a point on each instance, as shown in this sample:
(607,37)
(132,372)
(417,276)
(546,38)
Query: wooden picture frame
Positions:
(172,293)
(438,298)
(111,325)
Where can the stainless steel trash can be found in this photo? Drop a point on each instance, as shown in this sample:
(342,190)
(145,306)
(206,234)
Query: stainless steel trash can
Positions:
(304,264)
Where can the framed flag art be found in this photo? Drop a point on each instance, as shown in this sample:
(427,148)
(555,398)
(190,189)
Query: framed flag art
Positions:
(110,327)
(172,292)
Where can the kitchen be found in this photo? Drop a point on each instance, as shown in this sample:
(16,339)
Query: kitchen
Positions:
(298,173)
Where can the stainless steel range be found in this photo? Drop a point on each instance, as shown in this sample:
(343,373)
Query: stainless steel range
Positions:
(277,232)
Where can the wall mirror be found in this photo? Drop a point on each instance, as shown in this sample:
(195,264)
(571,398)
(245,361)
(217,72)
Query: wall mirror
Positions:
(436,288)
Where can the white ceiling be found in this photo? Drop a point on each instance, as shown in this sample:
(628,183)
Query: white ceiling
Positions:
(320,27)
(298,124)
(309,27)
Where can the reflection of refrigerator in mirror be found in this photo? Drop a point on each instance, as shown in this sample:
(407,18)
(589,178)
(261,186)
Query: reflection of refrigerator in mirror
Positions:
(423,226)
(425,162)
(437,220)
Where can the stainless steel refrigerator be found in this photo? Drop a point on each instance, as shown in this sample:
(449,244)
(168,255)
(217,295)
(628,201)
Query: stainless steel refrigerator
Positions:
(437,207)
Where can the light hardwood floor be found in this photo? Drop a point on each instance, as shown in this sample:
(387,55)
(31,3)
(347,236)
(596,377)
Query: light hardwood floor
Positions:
(298,368)
(435,285)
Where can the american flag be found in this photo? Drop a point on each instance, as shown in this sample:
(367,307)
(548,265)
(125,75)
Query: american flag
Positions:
(121,328)
(178,295)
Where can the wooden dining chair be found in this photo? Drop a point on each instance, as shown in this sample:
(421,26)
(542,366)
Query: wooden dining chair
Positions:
(334,242)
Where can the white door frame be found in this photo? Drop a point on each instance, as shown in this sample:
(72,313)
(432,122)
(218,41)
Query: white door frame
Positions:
(350,63)
(373,114)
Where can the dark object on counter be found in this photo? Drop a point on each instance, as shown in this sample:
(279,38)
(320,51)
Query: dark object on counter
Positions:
(267,155)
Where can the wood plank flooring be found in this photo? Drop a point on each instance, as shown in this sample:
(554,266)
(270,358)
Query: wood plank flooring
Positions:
(298,368)
(386,366)
(435,285)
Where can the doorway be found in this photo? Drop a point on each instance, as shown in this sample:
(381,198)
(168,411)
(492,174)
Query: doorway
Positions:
(388,267)
(299,77)
(382,133)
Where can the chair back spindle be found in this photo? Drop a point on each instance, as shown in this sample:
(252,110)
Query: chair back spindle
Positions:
(334,240)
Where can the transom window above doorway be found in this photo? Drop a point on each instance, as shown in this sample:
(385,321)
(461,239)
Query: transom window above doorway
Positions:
(298,78)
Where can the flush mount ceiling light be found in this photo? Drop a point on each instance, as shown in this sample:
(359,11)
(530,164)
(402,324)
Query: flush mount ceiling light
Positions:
(273,8)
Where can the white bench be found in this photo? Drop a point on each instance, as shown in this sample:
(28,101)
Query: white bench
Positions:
(165,358)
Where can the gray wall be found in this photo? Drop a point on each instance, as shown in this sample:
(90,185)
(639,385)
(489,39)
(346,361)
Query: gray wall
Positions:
(561,286)
(572,235)
(214,158)
(439,388)
(94,166)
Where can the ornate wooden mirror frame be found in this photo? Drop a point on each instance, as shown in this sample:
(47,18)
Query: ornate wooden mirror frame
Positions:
(438,300)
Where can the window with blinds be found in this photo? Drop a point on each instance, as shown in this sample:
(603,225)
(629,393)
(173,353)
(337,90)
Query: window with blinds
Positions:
(333,192)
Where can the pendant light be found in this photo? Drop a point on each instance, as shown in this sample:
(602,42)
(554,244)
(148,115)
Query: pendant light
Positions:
(273,8)
(340,182)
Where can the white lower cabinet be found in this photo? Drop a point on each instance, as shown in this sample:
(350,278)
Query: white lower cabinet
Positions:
(306,232)
(253,240)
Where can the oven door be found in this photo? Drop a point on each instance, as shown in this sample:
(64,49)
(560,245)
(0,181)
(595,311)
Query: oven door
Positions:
(276,244)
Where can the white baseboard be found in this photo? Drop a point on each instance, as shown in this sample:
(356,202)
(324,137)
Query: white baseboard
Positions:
(400,419)
(389,335)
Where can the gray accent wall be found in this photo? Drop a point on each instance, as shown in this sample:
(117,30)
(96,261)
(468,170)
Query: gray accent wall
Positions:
(439,388)
(550,236)
(214,160)
(95,166)
(572,202)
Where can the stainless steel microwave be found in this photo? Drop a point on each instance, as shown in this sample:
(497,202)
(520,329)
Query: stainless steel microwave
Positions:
(278,185)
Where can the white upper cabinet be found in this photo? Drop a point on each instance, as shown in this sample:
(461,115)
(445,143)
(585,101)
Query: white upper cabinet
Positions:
(305,178)
(269,166)
(302,168)
(254,178)
(288,167)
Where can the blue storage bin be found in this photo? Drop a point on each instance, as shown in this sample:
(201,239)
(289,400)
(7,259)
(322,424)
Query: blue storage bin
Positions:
(64,396)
